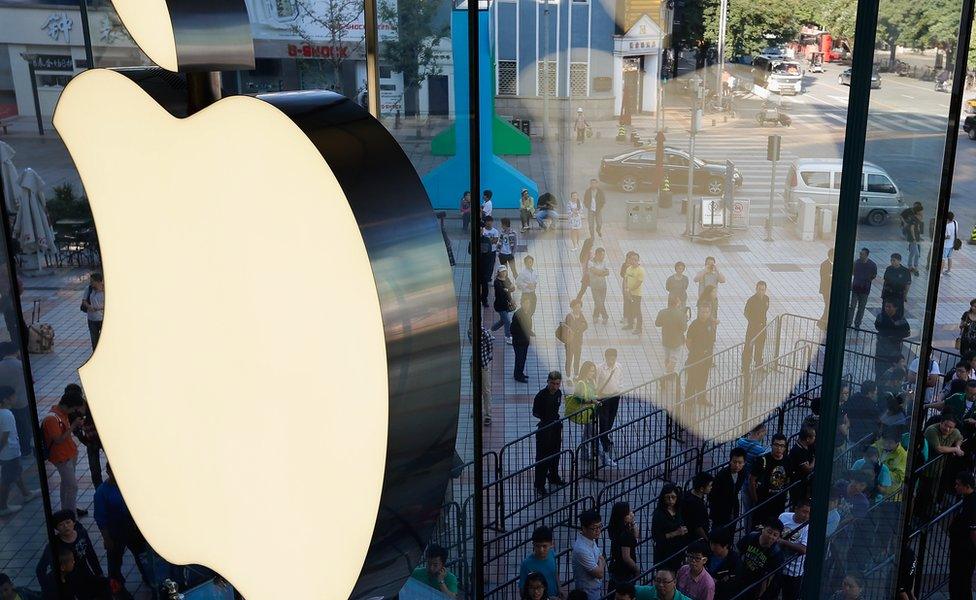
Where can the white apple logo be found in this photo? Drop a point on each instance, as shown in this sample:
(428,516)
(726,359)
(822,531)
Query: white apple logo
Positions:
(266,335)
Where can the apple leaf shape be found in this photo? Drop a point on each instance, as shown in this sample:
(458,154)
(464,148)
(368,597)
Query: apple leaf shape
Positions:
(241,381)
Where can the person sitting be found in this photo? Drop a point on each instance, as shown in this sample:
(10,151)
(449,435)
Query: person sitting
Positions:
(435,574)
(546,213)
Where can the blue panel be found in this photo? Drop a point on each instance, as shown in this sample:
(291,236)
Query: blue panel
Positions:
(506,31)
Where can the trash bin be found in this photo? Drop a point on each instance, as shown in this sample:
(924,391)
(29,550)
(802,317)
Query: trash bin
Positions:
(641,215)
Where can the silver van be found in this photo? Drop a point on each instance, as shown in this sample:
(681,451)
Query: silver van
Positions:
(819,180)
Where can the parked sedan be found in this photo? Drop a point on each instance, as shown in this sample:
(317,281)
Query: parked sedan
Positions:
(845,78)
(635,168)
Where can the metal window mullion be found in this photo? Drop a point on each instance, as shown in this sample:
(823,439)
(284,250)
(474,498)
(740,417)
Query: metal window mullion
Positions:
(935,270)
(850,193)
(371,33)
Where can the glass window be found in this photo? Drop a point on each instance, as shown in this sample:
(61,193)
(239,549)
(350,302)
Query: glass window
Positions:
(507,77)
(286,9)
(881,184)
(548,71)
(816,179)
(578,79)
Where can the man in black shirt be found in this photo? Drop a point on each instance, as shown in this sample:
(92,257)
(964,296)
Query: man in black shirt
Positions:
(759,555)
(521,338)
(755,311)
(962,540)
(722,564)
(701,346)
(723,500)
(549,434)
(768,481)
(863,411)
(897,280)
(801,459)
(693,509)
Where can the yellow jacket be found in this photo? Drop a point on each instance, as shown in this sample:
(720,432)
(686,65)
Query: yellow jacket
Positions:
(634,280)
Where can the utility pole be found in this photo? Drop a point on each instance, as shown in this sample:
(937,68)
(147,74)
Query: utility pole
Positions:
(772,155)
(545,71)
(722,25)
(693,131)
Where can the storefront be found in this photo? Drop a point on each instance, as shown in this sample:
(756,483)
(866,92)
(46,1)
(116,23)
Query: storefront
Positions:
(636,64)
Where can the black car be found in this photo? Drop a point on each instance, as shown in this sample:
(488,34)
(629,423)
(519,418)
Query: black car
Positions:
(969,126)
(845,78)
(632,169)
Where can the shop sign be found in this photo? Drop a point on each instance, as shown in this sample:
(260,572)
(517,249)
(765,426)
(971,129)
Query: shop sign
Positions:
(58,25)
(53,62)
(309,51)
(642,45)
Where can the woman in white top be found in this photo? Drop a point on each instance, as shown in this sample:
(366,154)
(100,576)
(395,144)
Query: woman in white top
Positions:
(575,219)
(951,235)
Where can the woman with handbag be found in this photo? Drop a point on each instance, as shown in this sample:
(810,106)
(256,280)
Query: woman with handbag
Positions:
(952,241)
(575,324)
(967,330)
(504,303)
(581,407)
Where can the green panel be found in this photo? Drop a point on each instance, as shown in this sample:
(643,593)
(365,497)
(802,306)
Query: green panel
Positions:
(507,141)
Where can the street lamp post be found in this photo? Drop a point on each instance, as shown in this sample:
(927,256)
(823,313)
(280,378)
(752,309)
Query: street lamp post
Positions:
(722,25)
(692,131)
(545,71)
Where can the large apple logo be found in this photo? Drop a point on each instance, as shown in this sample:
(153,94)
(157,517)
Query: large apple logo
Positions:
(277,379)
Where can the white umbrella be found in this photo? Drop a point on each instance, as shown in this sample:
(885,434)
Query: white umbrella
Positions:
(9,176)
(32,227)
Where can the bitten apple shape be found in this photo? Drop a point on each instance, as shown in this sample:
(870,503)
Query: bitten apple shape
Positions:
(203,223)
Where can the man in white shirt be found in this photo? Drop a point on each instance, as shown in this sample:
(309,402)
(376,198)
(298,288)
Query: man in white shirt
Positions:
(94,306)
(608,388)
(794,543)
(12,374)
(526,282)
(589,565)
(10,466)
(931,382)
(486,204)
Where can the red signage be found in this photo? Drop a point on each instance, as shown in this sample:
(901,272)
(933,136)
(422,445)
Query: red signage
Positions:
(309,51)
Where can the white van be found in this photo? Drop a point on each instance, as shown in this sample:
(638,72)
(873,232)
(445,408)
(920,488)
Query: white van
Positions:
(819,180)
(777,75)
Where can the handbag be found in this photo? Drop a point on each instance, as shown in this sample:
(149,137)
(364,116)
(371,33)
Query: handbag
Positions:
(562,332)
(86,301)
(579,410)
(956,244)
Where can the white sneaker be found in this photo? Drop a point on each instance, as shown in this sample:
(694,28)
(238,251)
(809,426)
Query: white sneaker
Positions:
(11,509)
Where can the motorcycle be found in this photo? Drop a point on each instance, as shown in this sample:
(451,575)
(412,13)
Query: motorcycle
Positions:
(943,86)
(773,115)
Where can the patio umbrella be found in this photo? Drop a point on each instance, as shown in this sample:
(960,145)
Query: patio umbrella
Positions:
(32,227)
(9,177)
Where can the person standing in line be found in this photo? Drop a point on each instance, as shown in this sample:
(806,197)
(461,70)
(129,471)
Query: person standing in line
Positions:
(723,499)
(521,338)
(701,346)
(623,532)
(677,285)
(865,272)
(693,580)
(465,211)
(575,211)
(526,209)
(527,282)
(951,235)
(755,312)
(87,580)
(595,200)
(487,354)
(589,564)
(802,459)
(673,322)
(794,541)
(580,126)
(962,540)
(504,303)
(912,226)
(892,329)
(575,326)
(507,245)
(623,285)
(710,276)
(633,293)
(694,508)
(897,281)
(486,258)
(967,331)
(487,206)
(668,530)
(435,574)
(826,279)
(88,436)
(118,528)
(608,389)
(94,306)
(58,427)
(12,374)
(599,271)
(768,480)
(549,433)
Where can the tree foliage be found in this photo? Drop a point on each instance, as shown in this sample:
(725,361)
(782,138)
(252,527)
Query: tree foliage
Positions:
(411,51)
(335,18)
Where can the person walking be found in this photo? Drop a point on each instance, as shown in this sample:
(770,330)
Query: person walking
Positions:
(912,228)
(623,285)
(12,374)
(521,338)
(504,303)
(526,209)
(575,213)
(710,276)
(575,324)
(486,257)
(756,311)
(608,389)
(549,433)
(594,200)
(580,126)
(951,235)
(826,279)
(487,355)
(465,211)
(633,293)
(598,272)
(967,331)
(58,428)
(673,322)
(865,272)
(507,245)
(526,283)
(487,206)
(897,281)
(94,306)
(585,254)
(11,468)
(677,285)
(962,540)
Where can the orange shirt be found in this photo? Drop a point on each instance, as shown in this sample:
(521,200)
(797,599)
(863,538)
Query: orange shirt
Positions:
(54,425)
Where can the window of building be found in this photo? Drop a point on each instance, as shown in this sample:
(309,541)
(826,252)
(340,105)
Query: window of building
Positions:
(53,80)
(547,67)
(507,78)
(579,74)
(286,9)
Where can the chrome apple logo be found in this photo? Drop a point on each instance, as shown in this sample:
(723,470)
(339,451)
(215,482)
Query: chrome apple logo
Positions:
(277,379)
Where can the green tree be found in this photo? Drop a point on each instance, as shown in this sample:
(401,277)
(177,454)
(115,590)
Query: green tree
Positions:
(335,18)
(754,26)
(410,51)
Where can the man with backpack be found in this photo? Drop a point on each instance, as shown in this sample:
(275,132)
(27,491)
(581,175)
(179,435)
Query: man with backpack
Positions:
(58,429)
